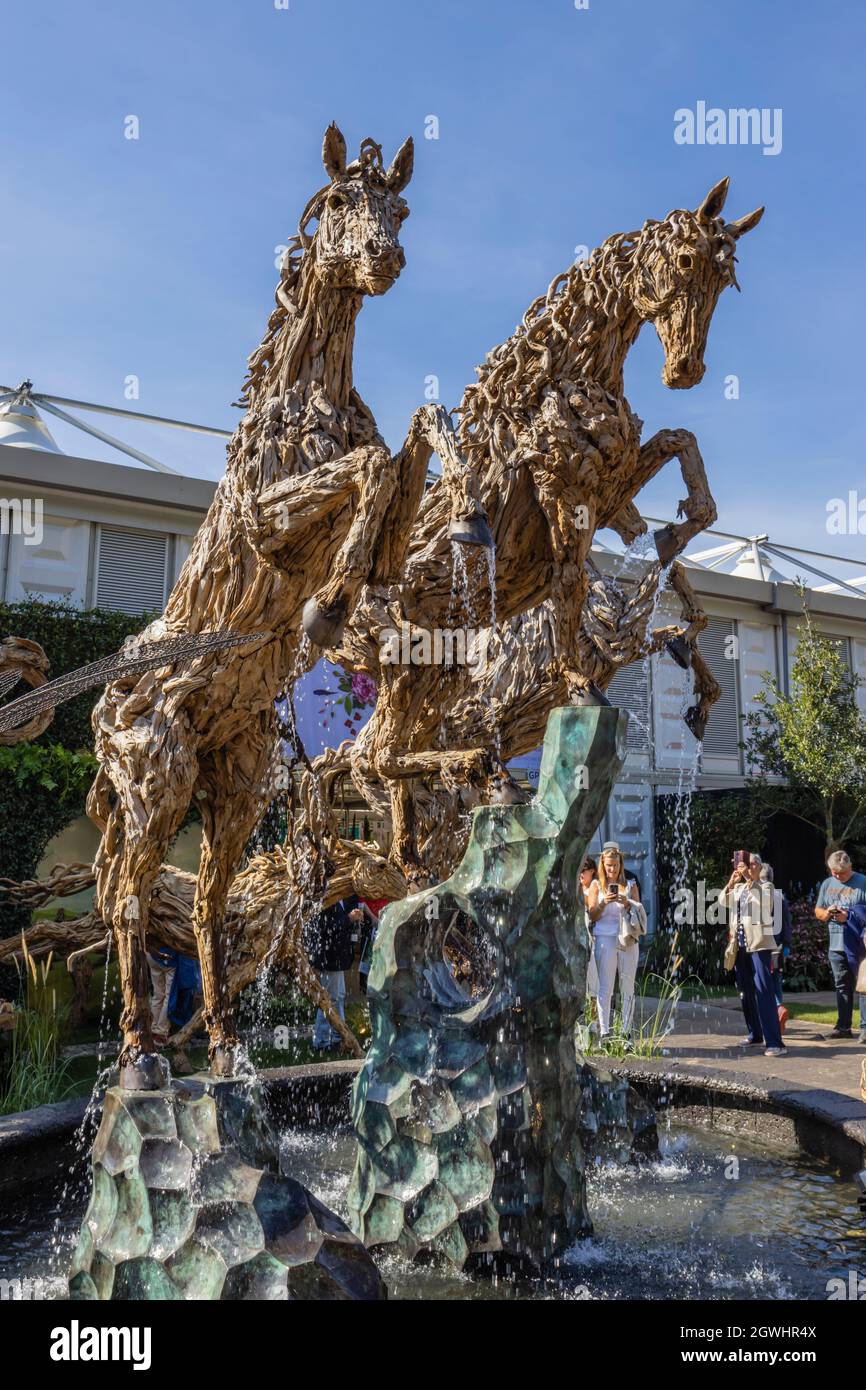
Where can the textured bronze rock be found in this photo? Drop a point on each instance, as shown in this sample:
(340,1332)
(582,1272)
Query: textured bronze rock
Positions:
(469,1108)
(188,1203)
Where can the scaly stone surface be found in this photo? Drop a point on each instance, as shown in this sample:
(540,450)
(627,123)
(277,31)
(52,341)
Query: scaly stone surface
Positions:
(470,1109)
(188,1203)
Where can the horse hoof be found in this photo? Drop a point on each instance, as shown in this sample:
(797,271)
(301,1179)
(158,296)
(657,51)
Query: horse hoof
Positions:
(223,1059)
(323,626)
(146,1072)
(680,651)
(471,530)
(504,791)
(592,698)
(667,544)
(696,722)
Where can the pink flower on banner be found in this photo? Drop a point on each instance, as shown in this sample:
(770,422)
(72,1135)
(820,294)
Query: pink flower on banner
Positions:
(363,688)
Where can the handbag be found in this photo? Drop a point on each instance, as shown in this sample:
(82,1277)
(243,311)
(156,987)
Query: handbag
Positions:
(860,982)
(731,953)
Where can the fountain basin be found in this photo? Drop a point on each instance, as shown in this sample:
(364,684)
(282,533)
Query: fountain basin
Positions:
(671,1227)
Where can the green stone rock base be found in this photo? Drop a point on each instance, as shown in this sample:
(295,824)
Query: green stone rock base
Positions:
(188,1203)
(471,1112)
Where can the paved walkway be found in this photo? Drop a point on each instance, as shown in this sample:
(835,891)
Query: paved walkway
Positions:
(821,1075)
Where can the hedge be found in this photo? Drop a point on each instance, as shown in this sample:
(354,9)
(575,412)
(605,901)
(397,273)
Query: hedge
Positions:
(43,784)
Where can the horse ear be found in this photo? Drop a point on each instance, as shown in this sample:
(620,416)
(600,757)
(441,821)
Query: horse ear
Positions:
(401,168)
(744,224)
(334,152)
(714,202)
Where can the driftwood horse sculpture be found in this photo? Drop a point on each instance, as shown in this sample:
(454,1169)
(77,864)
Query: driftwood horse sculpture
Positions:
(557,451)
(300,521)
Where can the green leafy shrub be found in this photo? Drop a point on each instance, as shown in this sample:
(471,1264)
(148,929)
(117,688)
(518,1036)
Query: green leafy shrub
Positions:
(807,967)
(43,785)
(36,1073)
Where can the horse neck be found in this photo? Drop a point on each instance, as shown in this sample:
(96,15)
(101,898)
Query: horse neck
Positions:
(305,364)
(324,343)
(314,349)
(601,333)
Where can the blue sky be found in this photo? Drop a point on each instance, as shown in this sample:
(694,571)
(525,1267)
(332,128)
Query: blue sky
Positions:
(155,257)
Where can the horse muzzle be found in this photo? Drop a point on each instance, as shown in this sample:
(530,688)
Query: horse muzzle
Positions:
(682,372)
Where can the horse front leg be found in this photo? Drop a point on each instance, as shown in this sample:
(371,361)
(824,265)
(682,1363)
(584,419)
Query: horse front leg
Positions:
(571,515)
(390,491)
(682,644)
(698,506)
(430,431)
(356,491)
(468,523)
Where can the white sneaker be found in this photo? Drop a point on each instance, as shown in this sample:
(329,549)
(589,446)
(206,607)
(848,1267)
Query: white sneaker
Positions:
(775,1051)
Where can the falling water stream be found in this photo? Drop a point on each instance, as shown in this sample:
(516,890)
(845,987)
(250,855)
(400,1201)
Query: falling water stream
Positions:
(463,603)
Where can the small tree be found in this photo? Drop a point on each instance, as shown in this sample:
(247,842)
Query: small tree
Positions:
(815,739)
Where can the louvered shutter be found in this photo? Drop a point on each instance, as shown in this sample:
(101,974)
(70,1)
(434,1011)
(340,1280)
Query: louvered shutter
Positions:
(629,690)
(131,574)
(723,730)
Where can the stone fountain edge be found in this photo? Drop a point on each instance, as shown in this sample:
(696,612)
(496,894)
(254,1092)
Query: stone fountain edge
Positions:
(824,1124)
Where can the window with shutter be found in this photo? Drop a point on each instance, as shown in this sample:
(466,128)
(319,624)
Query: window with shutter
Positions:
(843,646)
(629,690)
(723,729)
(131,570)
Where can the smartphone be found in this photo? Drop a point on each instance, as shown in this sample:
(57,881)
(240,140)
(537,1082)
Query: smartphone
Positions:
(741,856)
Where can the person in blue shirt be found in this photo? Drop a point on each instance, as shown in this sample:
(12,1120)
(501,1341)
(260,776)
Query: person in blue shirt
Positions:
(840,892)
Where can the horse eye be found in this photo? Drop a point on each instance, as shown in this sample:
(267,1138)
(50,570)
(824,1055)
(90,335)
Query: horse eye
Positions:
(685,261)
(337,201)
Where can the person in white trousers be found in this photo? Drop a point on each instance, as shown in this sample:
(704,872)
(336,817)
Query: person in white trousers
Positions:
(587,878)
(607,900)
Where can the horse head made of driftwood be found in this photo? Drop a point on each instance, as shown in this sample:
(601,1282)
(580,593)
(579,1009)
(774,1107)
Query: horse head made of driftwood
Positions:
(356,244)
(682,266)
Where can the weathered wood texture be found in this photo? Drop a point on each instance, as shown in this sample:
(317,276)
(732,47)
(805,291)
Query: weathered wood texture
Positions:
(301,514)
(557,451)
(316,518)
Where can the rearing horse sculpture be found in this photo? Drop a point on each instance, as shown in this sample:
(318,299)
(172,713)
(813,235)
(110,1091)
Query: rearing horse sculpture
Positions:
(557,451)
(300,520)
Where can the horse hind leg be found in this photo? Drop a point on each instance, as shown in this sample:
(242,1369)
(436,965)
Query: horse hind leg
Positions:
(234,780)
(147,813)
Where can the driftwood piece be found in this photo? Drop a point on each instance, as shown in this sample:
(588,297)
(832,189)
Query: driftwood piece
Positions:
(20,660)
(30,715)
(265,913)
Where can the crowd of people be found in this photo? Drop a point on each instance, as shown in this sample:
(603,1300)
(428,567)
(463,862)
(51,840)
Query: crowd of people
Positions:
(759,929)
(758,942)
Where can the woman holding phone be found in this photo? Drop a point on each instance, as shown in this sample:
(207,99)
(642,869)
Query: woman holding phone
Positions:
(754,919)
(609,900)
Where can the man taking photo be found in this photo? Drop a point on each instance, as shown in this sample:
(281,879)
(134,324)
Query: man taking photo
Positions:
(841,891)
